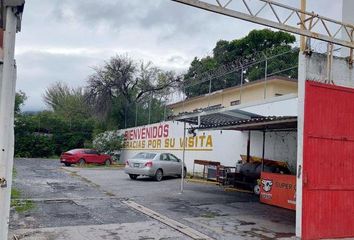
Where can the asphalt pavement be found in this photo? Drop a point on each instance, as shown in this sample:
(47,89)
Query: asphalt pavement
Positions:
(91,203)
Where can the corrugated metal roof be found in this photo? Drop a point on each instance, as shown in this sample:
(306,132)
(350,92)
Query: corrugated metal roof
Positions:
(236,119)
(269,123)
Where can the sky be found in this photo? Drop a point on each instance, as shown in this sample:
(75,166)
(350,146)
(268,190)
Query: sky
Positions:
(61,40)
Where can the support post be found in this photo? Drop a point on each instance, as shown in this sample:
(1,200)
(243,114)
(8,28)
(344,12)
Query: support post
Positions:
(265,77)
(249,146)
(241,85)
(209,96)
(150,102)
(302,27)
(263,150)
(136,114)
(7,101)
(183,156)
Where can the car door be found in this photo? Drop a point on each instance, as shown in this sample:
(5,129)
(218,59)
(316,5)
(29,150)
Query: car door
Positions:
(87,156)
(175,164)
(165,164)
(95,156)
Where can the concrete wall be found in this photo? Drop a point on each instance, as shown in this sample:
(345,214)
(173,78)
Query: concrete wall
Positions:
(249,93)
(316,69)
(226,146)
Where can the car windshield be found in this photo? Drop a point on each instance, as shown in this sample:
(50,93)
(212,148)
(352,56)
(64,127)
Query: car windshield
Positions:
(144,155)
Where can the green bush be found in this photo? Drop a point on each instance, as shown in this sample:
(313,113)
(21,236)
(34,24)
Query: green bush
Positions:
(47,134)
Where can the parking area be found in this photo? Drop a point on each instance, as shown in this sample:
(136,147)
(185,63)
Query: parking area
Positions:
(95,203)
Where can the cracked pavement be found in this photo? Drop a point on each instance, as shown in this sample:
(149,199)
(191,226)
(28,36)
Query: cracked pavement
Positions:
(87,203)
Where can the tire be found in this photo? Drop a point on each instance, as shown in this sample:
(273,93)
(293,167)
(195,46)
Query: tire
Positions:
(82,162)
(67,164)
(158,175)
(184,174)
(133,176)
(256,189)
(107,162)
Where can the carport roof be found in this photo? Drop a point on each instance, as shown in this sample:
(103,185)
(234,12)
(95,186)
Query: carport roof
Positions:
(236,119)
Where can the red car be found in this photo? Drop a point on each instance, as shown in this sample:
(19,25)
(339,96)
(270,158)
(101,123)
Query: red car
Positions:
(84,156)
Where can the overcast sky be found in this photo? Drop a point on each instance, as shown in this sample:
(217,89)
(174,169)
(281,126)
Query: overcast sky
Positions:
(61,39)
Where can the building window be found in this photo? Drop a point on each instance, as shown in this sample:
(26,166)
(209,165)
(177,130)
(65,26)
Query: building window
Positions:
(278,94)
(233,103)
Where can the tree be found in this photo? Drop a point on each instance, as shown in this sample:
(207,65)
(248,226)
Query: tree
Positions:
(20,99)
(67,102)
(109,142)
(115,89)
(266,41)
(46,134)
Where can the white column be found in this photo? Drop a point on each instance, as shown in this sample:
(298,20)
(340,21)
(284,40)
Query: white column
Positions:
(302,73)
(7,101)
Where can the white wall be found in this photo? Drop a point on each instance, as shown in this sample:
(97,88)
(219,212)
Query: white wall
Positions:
(280,146)
(224,146)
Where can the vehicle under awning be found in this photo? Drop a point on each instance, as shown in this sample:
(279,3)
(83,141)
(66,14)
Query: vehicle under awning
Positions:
(239,120)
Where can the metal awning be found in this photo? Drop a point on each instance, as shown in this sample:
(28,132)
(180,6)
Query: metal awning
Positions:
(216,118)
(269,123)
(236,119)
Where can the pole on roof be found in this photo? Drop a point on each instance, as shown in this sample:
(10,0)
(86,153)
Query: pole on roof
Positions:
(241,84)
(209,93)
(265,76)
(263,150)
(183,156)
(7,101)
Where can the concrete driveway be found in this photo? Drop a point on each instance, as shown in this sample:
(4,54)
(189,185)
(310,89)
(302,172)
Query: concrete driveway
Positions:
(88,203)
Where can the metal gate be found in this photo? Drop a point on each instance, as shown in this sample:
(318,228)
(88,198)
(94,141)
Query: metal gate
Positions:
(328,162)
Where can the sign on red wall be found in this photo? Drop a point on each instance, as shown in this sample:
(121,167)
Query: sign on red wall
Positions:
(278,190)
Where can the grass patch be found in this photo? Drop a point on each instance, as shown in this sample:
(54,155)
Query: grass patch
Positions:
(22,206)
(14,172)
(15,193)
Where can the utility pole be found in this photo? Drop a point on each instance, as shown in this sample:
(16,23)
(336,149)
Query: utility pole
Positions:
(11,12)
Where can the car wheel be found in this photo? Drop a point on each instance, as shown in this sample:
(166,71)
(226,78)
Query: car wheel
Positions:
(133,176)
(256,189)
(184,174)
(107,162)
(82,162)
(67,164)
(158,175)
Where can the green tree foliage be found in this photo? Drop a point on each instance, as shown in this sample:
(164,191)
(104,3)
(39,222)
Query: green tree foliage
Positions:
(122,86)
(46,134)
(20,99)
(29,142)
(67,102)
(267,41)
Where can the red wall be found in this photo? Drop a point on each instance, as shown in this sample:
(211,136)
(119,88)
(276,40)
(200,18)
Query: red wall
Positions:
(328,162)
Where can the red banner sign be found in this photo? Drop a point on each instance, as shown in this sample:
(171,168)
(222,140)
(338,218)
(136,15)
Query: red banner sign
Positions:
(278,190)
